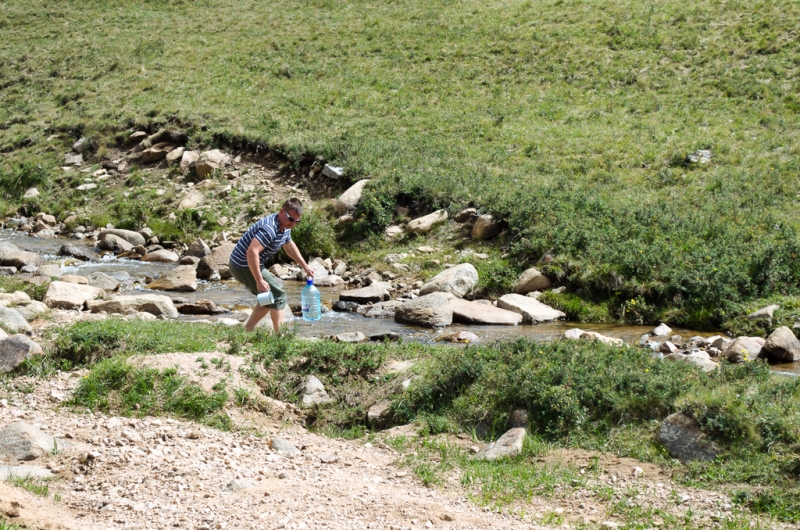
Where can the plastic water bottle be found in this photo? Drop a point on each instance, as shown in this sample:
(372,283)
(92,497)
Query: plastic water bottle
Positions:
(310,301)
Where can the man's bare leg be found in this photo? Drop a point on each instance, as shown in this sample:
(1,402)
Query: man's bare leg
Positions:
(258,313)
(277,319)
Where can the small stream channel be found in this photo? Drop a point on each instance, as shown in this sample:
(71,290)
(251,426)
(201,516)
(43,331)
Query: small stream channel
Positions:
(232,295)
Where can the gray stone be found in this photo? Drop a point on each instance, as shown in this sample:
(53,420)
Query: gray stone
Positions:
(8,271)
(157,152)
(353,336)
(743,348)
(333,171)
(21,441)
(345,307)
(475,313)
(703,361)
(14,350)
(593,336)
(157,305)
(339,267)
(572,334)
(393,233)
(377,292)
(466,215)
(31,310)
(64,295)
(662,330)
(216,261)
(187,159)
(161,256)
(198,248)
(380,337)
(764,313)
(239,484)
(458,281)
(485,227)
(209,161)
(667,347)
(314,392)
(68,249)
(532,311)
(508,445)
(13,321)
(73,159)
(682,438)
(328,458)
(432,310)
(425,224)
(282,445)
(175,156)
(380,414)
(200,307)
(53,271)
(783,346)
(103,281)
(349,199)
(21,259)
(113,243)
(462,337)
(192,200)
(331,280)
(531,280)
(701,156)
(380,310)
(134,238)
(182,278)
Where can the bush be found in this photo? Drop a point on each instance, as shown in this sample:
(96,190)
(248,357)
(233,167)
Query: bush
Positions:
(16,181)
(314,234)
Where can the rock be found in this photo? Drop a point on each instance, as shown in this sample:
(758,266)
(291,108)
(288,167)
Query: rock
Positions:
(475,313)
(20,259)
(519,419)
(682,438)
(157,305)
(432,310)
(134,238)
(662,330)
(593,336)
(73,159)
(31,310)
(239,484)
(114,244)
(356,336)
(764,313)
(380,414)
(667,347)
(461,337)
(393,233)
(38,227)
(572,334)
(216,261)
(72,251)
(80,280)
(86,187)
(701,156)
(531,280)
(175,155)
(328,281)
(345,307)
(21,441)
(162,256)
(458,281)
(198,248)
(14,350)
(283,446)
(52,271)
(380,337)
(377,292)
(339,267)
(158,152)
(31,193)
(29,472)
(201,307)
(182,278)
(349,199)
(742,349)
(8,271)
(532,311)
(333,171)
(466,215)
(209,161)
(425,224)
(314,392)
(17,297)
(187,159)
(103,281)
(703,361)
(783,346)
(13,321)
(63,295)
(192,200)
(380,310)
(485,227)
(510,444)
(137,137)
(328,458)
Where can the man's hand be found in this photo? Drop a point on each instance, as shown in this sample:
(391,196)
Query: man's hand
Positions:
(309,271)
(262,285)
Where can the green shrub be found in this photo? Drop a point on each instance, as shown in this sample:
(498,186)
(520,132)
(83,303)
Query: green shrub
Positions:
(15,181)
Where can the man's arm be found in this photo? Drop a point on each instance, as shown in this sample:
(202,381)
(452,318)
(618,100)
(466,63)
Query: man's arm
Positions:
(293,252)
(254,264)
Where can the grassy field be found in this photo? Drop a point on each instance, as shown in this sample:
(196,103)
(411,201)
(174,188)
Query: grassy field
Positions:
(568,119)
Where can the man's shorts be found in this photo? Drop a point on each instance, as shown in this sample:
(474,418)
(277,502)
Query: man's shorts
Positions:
(245,277)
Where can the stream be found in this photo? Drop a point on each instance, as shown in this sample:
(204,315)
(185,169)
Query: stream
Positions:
(232,295)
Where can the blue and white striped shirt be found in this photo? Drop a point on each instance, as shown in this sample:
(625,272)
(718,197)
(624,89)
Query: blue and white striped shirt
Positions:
(268,233)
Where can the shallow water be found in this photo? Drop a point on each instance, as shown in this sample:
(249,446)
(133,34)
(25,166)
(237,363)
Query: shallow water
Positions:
(233,295)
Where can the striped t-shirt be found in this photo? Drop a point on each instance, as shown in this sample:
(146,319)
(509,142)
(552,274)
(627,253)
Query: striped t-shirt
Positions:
(268,233)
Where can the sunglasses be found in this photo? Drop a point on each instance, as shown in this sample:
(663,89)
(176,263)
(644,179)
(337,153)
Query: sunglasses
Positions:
(292,219)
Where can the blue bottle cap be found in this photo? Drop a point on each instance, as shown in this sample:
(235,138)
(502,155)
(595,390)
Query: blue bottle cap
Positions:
(309,281)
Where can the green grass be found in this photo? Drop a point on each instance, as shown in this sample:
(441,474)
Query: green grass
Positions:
(5,525)
(36,486)
(569,119)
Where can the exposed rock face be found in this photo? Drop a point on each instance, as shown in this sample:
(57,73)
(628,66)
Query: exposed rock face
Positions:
(134,238)
(432,310)
(349,199)
(13,321)
(532,311)
(155,304)
(63,295)
(215,261)
(377,292)
(71,250)
(682,438)
(476,313)
(182,278)
(458,281)
(743,348)
(314,392)
(485,227)
(425,224)
(15,349)
(531,280)
(510,444)
(103,281)
(21,441)
(783,346)
(162,256)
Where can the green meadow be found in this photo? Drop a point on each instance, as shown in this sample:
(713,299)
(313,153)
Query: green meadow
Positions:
(569,120)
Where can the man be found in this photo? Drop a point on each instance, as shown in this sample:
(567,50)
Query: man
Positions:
(261,241)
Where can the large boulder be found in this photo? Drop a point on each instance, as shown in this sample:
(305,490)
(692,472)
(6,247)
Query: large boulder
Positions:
(68,249)
(485,227)
(209,161)
(21,441)
(380,310)
(458,281)
(682,438)
(15,349)
(161,256)
(20,258)
(377,292)
(65,295)
(114,243)
(432,310)
(216,261)
(425,224)
(476,313)
(783,346)
(155,304)
(508,445)
(744,348)
(198,249)
(531,280)
(532,311)
(103,281)
(349,199)
(31,310)
(52,271)
(182,278)
(13,321)
(134,238)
